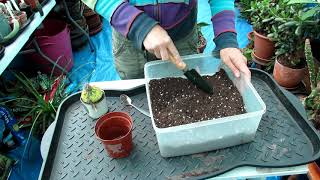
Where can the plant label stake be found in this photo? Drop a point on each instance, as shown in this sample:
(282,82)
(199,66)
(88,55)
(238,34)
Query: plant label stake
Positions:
(195,78)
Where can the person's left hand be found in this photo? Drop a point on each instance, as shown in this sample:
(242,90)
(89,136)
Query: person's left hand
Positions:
(235,60)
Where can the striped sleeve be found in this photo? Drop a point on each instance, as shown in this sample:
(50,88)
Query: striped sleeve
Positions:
(223,21)
(128,20)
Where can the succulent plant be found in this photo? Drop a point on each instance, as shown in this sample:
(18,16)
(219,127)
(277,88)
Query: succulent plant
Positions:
(312,102)
(91,94)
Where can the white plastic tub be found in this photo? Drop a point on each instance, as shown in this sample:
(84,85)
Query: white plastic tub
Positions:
(211,134)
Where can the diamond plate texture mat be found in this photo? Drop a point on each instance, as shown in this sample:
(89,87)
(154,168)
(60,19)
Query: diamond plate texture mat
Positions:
(284,138)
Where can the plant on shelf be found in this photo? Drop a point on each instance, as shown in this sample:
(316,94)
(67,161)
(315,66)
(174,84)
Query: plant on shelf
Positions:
(312,102)
(93,98)
(202,42)
(37,100)
(262,19)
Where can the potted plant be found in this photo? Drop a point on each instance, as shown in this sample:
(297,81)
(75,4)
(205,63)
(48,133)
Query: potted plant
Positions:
(309,19)
(262,19)
(289,67)
(94,100)
(288,35)
(312,102)
(202,42)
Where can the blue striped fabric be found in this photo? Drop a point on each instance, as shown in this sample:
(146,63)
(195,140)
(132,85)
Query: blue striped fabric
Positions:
(153,2)
(106,8)
(218,6)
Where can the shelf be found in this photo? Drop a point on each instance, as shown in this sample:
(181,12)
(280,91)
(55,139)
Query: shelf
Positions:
(13,49)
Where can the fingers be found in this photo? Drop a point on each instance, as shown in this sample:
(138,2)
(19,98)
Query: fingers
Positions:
(157,53)
(241,64)
(177,60)
(164,53)
(230,64)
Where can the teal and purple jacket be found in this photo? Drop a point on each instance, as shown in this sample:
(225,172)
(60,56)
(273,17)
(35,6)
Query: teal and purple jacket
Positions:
(135,18)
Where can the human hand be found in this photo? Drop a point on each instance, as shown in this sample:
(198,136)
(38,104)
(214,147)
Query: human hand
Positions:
(235,60)
(160,44)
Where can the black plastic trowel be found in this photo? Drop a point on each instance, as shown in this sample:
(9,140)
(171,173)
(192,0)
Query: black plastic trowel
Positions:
(196,78)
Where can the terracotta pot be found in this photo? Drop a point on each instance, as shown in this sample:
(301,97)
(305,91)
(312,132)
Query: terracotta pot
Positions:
(287,77)
(114,130)
(250,38)
(314,171)
(96,30)
(100,108)
(260,60)
(88,12)
(201,48)
(263,46)
(250,35)
(93,21)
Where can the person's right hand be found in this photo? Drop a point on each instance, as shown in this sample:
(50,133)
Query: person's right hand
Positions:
(160,44)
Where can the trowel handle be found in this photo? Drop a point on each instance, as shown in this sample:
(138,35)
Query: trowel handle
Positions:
(183,67)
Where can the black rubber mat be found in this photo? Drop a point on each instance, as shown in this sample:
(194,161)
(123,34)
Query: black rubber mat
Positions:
(284,138)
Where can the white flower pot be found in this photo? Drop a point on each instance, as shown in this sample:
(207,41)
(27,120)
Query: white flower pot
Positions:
(101,108)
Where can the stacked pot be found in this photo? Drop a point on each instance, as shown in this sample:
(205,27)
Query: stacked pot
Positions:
(78,38)
(93,20)
(263,48)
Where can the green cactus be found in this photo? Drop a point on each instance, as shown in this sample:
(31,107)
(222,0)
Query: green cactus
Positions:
(91,94)
(312,102)
(310,62)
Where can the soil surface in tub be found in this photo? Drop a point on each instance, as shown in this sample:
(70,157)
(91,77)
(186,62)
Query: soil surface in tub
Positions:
(176,101)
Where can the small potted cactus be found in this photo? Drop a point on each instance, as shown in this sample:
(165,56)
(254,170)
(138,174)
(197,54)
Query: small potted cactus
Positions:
(94,100)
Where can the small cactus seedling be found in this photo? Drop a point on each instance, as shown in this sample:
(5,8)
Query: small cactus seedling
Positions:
(91,94)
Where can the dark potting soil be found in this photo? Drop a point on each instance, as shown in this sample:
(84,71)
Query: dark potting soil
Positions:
(176,101)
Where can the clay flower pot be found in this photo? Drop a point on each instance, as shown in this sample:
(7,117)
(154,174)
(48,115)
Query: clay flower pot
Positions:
(96,30)
(260,60)
(88,12)
(114,130)
(287,77)
(250,35)
(263,46)
(93,21)
(201,44)
(250,38)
